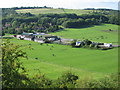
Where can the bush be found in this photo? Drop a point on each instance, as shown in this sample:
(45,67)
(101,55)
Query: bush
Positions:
(92,45)
(67,80)
(48,41)
(87,42)
(39,81)
(96,46)
(109,81)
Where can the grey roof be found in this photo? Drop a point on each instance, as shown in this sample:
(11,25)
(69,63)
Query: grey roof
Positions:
(27,34)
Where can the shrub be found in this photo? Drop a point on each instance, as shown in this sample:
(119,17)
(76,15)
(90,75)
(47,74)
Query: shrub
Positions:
(96,46)
(92,45)
(87,42)
(48,41)
(67,80)
(39,81)
(109,81)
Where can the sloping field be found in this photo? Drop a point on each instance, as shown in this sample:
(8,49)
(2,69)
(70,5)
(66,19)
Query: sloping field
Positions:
(54,59)
(97,33)
(56,11)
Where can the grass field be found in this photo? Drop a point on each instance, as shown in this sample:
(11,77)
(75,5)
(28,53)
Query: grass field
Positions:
(56,11)
(81,61)
(97,33)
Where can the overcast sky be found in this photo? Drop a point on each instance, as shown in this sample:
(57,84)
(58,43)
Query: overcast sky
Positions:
(71,4)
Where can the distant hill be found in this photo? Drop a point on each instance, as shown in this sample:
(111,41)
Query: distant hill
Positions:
(51,10)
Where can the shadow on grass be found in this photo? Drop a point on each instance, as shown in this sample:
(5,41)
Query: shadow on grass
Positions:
(59,30)
(6,37)
(83,26)
(87,26)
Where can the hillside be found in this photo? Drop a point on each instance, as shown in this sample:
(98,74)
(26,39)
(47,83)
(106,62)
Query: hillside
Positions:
(97,33)
(53,11)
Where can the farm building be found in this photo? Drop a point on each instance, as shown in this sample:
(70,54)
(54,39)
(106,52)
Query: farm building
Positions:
(27,36)
(66,41)
(42,36)
(78,43)
(21,37)
(107,44)
(38,37)
(33,37)
(52,38)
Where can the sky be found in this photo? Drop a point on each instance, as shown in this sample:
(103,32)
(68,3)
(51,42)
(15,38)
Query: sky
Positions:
(70,4)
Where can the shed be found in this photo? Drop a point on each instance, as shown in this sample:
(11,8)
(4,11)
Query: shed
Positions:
(78,43)
(52,38)
(107,44)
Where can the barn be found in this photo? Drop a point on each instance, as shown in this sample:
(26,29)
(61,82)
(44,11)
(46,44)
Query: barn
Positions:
(27,36)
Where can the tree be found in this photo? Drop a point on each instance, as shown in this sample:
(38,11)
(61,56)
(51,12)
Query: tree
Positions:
(87,42)
(73,43)
(11,77)
(15,24)
(13,72)
(88,21)
(2,33)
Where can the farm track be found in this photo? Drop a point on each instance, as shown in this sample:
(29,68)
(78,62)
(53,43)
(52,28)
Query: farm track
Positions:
(116,45)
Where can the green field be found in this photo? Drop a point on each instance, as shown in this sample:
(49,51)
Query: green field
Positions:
(53,11)
(81,61)
(97,33)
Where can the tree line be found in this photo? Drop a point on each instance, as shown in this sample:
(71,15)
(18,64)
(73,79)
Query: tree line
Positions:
(16,8)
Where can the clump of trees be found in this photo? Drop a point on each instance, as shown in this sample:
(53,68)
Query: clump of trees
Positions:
(16,8)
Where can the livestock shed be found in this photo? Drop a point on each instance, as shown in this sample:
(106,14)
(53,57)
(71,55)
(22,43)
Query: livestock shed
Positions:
(39,37)
(21,37)
(52,38)
(27,36)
